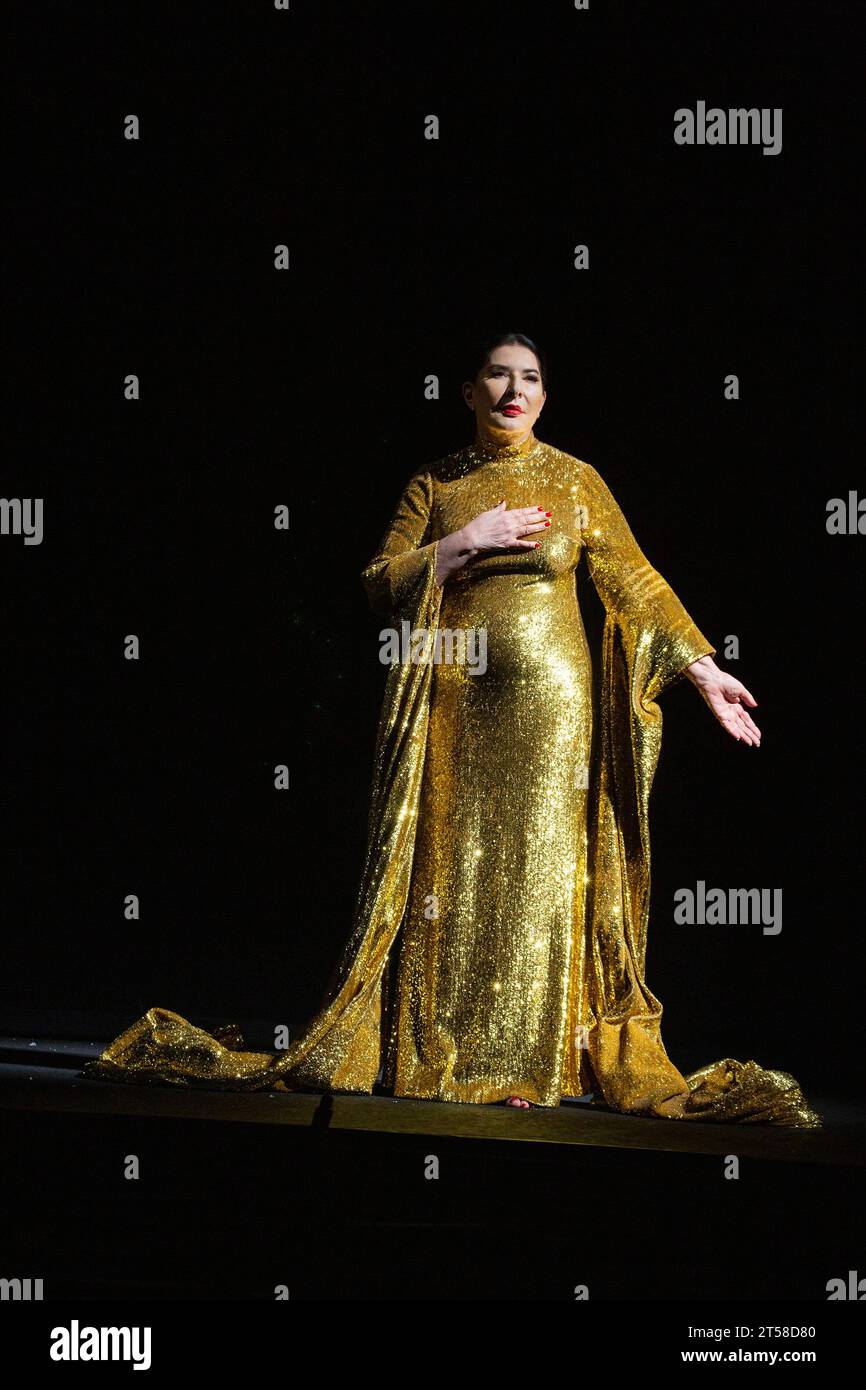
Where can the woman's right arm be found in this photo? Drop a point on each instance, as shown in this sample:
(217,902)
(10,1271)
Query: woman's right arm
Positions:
(396,573)
(392,577)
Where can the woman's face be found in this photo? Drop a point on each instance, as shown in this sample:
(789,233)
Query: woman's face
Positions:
(507,395)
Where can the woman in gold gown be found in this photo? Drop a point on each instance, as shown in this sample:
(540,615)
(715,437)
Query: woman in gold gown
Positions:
(499,941)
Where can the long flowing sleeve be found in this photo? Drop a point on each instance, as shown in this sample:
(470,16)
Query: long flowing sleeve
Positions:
(633,592)
(648,642)
(396,577)
(340,1047)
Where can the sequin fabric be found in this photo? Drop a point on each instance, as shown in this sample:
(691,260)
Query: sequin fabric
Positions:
(499,941)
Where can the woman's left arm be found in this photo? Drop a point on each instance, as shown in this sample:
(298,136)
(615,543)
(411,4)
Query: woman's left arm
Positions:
(634,591)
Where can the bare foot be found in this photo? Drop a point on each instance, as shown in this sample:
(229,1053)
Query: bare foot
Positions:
(518,1102)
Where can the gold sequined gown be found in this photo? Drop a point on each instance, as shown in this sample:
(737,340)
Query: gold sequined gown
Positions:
(499,941)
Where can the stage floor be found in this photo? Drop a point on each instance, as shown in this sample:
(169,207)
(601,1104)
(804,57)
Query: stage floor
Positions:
(346,1196)
(45,1074)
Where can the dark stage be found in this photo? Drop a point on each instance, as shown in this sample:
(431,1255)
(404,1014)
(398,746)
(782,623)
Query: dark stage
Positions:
(169,649)
(328,1194)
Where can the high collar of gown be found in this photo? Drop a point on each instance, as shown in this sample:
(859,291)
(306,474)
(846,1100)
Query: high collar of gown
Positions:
(491,451)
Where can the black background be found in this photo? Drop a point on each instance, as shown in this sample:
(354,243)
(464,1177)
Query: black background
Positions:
(305,388)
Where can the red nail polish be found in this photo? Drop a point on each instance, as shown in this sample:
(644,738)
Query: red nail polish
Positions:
(547,523)
(548,513)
